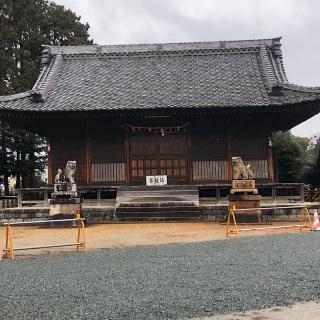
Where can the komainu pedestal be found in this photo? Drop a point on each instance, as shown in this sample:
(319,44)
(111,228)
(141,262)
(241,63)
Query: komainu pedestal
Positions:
(244,185)
(246,201)
(65,201)
(244,194)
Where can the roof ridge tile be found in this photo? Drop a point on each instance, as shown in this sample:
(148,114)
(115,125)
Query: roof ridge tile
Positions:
(47,76)
(300,88)
(228,44)
(16,96)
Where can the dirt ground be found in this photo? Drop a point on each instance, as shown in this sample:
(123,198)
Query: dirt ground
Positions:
(305,311)
(111,236)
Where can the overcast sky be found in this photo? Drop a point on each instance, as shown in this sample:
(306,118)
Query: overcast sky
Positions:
(152,21)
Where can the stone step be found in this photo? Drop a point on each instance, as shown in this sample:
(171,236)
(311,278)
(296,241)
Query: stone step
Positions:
(158,188)
(157,209)
(174,195)
(163,204)
(161,201)
(157,193)
(179,218)
(142,215)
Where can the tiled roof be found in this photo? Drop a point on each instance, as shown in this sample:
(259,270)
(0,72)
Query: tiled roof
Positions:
(183,75)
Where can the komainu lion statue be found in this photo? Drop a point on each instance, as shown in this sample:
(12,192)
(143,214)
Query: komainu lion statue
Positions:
(70,171)
(241,171)
(59,177)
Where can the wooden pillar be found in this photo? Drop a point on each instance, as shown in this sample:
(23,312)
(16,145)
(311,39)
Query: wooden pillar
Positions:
(127,155)
(19,192)
(50,134)
(229,153)
(50,178)
(45,198)
(218,195)
(88,152)
(270,161)
(98,197)
(274,193)
(189,155)
(302,192)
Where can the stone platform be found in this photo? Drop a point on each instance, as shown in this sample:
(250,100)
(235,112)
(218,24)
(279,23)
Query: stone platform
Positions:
(167,202)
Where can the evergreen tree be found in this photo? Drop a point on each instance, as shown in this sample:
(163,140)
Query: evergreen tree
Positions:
(6,156)
(24,26)
(31,158)
(312,176)
(292,156)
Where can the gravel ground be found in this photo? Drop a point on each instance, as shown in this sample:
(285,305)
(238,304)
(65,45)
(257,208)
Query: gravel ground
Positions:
(164,282)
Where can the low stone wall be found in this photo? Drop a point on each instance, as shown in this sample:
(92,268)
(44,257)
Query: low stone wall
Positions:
(92,215)
(99,214)
(23,214)
(219,214)
(107,214)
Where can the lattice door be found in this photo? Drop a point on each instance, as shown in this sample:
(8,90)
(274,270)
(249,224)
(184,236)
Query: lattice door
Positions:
(157,155)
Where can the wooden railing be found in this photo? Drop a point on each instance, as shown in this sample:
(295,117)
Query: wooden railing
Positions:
(99,195)
(8,202)
(93,195)
(273,192)
(312,196)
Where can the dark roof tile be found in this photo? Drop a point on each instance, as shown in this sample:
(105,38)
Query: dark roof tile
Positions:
(185,75)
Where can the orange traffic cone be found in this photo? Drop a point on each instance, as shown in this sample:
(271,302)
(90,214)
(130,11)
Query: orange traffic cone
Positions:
(316,223)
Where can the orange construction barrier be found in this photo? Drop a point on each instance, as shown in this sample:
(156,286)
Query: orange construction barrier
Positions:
(79,244)
(304,214)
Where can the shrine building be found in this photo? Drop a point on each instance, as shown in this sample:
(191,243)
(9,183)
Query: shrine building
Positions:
(180,110)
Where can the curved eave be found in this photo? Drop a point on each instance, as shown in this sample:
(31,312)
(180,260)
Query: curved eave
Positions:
(295,102)
(263,108)
(272,118)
